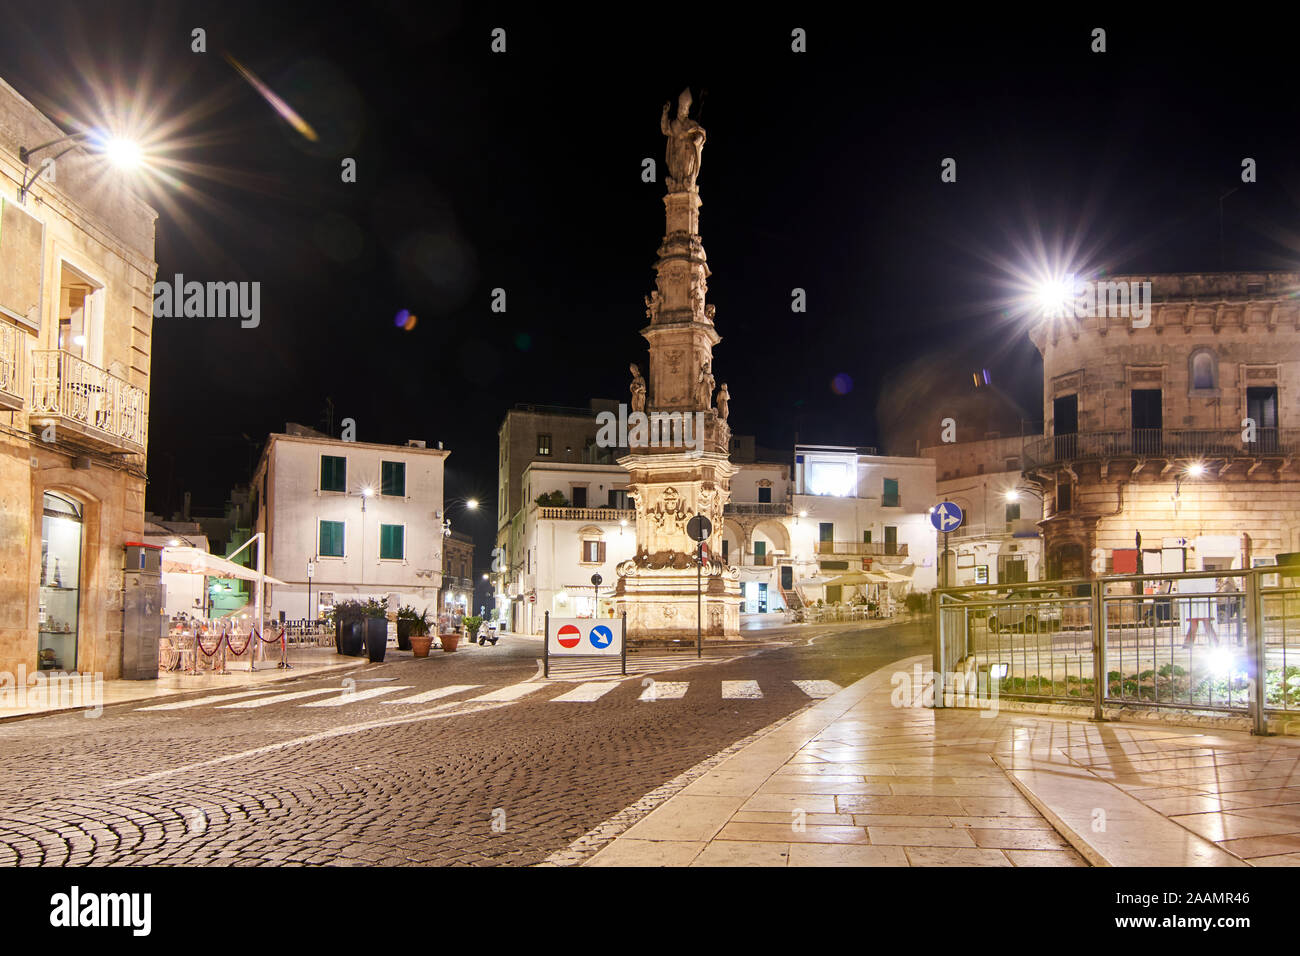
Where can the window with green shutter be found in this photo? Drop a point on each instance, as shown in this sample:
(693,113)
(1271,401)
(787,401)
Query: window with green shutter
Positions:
(333,473)
(331,539)
(889,496)
(392,542)
(392,478)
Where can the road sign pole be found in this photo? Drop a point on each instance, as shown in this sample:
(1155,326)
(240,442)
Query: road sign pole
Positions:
(546,646)
(945,559)
(699,600)
(624,649)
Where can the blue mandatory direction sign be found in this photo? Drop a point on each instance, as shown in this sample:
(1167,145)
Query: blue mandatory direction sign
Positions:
(946,516)
(601,637)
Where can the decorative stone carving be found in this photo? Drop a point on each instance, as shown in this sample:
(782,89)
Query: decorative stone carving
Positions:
(724,402)
(652,305)
(685,144)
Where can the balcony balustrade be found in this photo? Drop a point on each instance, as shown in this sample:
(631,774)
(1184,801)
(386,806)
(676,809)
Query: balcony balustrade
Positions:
(1166,443)
(84,400)
(11,366)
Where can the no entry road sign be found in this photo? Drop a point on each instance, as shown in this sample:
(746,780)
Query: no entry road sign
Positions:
(585,636)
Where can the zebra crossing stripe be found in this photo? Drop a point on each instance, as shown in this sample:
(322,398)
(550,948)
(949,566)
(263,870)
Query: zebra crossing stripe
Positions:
(665,690)
(818,689)
(513,692)
(438,692)
(740,690)
(585,693)
(278,698)
(354,697)
(181,705)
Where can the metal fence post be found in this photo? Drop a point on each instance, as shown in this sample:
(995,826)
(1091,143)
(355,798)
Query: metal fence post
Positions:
(546,645)
(938,649)
(1255,648)
(1098,612)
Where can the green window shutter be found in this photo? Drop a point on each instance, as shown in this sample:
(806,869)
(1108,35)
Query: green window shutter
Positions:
(889,498)
(393,479)
(333,473)
(331,539)
(392,543)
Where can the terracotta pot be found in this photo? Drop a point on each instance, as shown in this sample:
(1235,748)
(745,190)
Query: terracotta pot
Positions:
(450,641)
(420,644)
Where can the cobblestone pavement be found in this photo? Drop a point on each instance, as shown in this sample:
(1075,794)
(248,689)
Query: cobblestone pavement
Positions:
(317,778)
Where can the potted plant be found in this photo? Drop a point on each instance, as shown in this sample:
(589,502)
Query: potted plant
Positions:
(348,634)
(418,637)
(406,619)
(447,634)
(376,630)
(472,624)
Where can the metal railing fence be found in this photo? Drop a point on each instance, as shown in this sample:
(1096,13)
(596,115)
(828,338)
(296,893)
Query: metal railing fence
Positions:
(1191,641)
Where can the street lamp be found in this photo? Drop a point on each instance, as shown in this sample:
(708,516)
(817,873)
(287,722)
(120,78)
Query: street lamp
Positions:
(121,152)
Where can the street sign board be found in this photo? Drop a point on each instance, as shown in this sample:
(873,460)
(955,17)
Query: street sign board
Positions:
(946,517)
(586,636)
(699,528)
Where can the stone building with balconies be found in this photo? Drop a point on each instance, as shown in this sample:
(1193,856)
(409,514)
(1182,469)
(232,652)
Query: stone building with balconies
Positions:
(77,271)
(1170,438)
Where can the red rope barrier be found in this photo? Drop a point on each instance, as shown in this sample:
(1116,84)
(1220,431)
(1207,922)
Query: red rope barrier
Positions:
(198,642)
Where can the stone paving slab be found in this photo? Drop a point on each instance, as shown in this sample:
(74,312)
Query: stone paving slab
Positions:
(856,781)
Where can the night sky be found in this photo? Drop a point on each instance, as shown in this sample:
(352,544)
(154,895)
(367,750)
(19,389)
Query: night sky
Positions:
(522,171)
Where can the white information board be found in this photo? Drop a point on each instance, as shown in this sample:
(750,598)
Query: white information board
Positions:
(584,636)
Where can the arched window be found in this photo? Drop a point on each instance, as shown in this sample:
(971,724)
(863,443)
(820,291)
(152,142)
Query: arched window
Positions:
(1204,368)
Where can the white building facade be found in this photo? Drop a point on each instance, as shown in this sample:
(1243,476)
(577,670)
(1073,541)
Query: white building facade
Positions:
(998,541)
(563,545)
(836,511)
(366,519)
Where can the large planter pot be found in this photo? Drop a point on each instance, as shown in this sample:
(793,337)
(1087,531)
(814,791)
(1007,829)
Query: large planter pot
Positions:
(338,637)
(420,644)
(351,639)
(403,635)
(376,638)
(449,641)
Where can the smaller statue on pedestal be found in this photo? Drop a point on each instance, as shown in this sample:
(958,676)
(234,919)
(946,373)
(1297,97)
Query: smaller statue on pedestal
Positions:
(724,400)
(638,389)
(704,396)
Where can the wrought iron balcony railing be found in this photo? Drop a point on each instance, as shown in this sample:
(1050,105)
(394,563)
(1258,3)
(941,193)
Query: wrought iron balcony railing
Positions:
(865,548)
(82,398)
(11,366)
(1166,443)
(757,508)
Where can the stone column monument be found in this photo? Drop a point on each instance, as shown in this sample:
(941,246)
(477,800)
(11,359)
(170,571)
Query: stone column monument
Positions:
(683,468)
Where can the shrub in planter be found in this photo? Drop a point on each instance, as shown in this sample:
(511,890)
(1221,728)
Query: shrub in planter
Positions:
(348,637)
(418,637)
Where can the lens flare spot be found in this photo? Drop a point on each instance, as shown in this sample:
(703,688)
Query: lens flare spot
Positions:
(523,341)
(401,318)
(842,384)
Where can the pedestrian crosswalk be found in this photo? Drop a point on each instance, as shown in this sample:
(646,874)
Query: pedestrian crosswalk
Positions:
(555,692)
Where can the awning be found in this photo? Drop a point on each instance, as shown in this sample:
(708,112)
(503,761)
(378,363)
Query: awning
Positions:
(184,560)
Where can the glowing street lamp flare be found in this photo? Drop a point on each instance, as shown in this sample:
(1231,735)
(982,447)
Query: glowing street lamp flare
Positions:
(123,153)
(471,504)
(279,105)
(1196,469)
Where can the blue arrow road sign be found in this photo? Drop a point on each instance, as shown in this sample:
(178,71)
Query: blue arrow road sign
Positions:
(946,516)
(601,636)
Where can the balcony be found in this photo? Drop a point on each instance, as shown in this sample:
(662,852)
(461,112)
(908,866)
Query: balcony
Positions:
(1021,528)
(758,508)
(1166,443)
(877,549)
(11,366)
(81,399)
(587,514)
